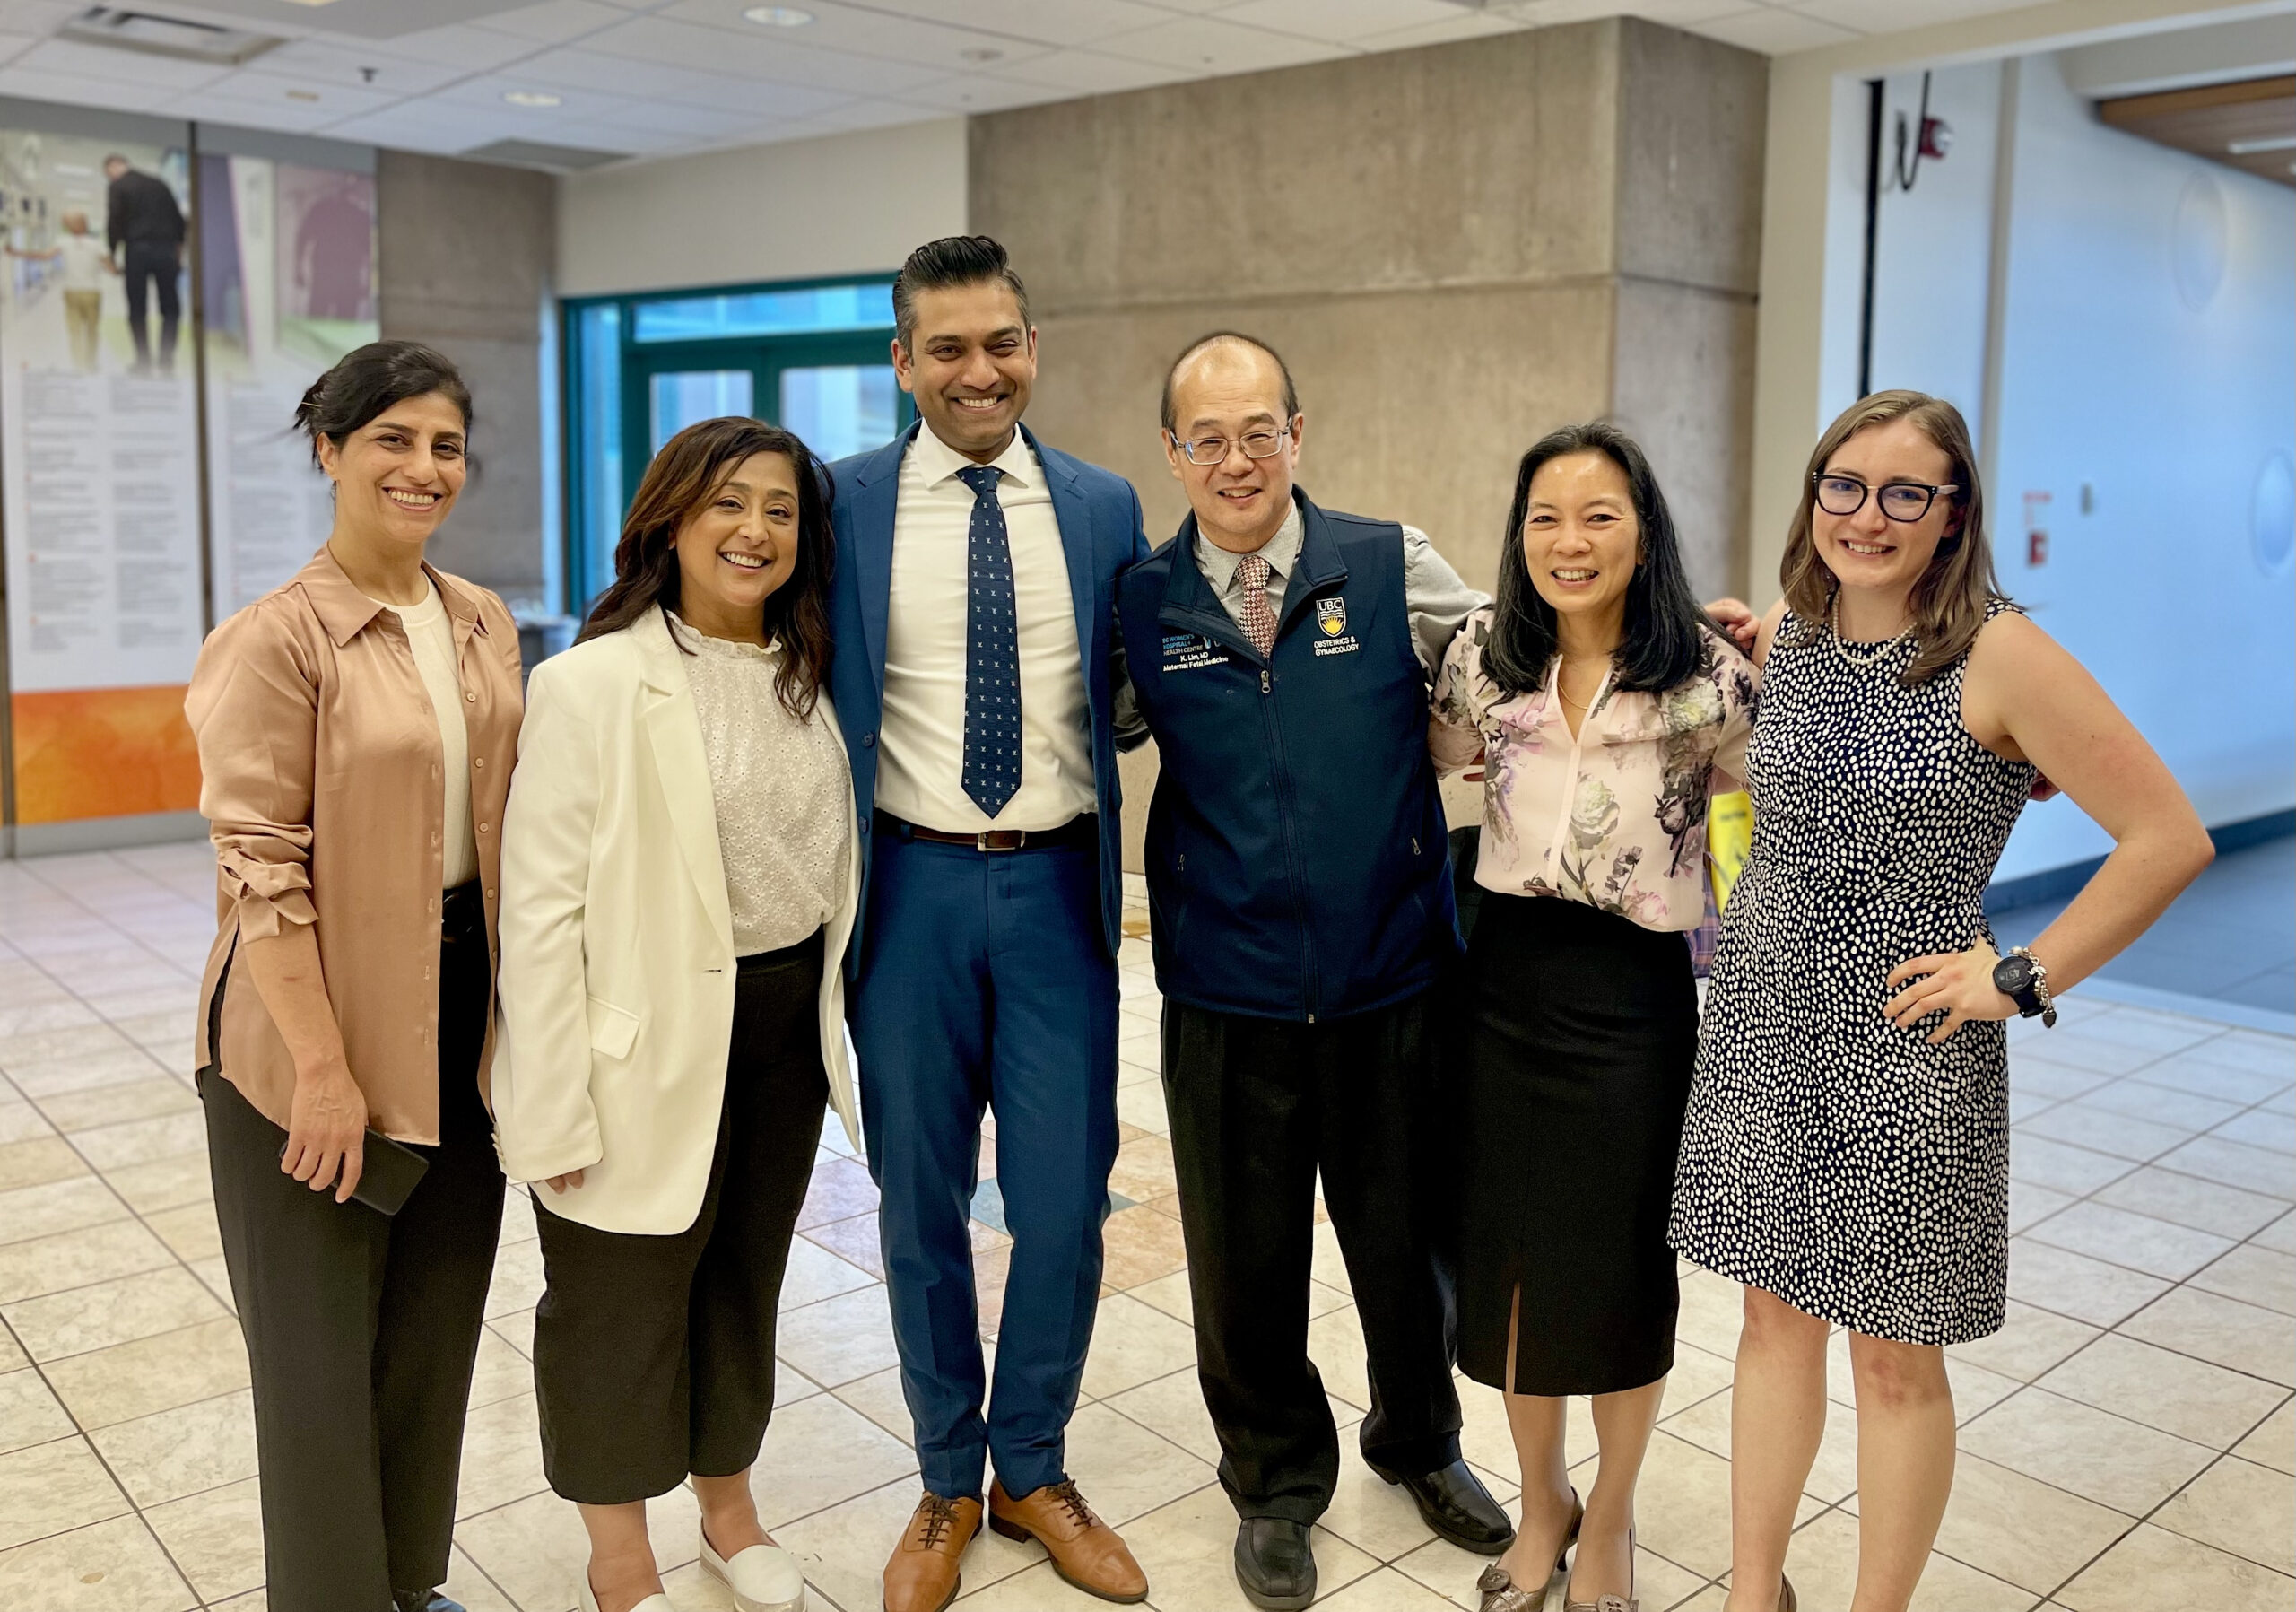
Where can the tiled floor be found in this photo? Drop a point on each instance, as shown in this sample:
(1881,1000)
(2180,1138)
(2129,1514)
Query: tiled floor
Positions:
(2128,1442)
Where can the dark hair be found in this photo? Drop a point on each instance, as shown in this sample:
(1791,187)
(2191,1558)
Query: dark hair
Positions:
(375,376)
(1949,601)
(1290,392)
(942,265)
(1664,639)
(678,485)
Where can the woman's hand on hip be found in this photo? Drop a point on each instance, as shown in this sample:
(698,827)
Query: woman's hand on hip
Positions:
(1957,984)
(326,1132)
(560,1183)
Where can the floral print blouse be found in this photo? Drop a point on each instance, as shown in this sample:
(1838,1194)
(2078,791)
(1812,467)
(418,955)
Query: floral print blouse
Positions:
(1614,818)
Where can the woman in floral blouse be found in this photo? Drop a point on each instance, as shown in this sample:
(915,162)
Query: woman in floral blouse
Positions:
(1604,706)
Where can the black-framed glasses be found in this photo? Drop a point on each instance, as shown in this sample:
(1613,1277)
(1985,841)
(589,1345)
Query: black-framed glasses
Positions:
(1213,451)
(1900,501)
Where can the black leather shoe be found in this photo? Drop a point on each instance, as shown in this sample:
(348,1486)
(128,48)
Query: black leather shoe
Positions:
(425,1600)
(1454,1503)
(1274,1566)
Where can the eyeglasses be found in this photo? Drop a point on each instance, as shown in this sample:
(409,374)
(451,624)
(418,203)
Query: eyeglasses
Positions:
(1900,501)
(1213,451)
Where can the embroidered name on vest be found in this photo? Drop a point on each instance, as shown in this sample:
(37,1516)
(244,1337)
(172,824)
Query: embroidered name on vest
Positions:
(1189,652)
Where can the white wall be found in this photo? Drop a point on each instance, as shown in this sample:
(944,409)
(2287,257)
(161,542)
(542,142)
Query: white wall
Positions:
(851,204)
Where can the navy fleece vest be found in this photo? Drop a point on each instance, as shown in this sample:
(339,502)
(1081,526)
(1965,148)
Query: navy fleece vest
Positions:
(1296,853)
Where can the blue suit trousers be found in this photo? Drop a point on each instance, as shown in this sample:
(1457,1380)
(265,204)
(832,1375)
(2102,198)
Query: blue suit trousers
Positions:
(985,983)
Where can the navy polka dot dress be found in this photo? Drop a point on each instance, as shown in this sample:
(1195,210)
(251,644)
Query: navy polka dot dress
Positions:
(1829,1158)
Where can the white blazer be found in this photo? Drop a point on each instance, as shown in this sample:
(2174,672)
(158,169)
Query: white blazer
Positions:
(617,975)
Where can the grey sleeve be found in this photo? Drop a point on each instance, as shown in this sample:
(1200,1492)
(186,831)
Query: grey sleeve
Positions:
(1438,601)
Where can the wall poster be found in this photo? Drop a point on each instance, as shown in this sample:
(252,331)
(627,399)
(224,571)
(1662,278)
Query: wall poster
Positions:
(99,441)
(288,275)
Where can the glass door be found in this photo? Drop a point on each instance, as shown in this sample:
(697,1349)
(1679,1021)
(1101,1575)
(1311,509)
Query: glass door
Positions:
(836,392)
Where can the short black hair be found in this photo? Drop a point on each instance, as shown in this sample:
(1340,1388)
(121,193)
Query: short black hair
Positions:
(1170,409)
(378,376)
(942,265)
(1665,642)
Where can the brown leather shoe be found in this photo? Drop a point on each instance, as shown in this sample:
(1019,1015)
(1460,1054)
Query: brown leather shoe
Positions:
(1085,1551)
(922,1575)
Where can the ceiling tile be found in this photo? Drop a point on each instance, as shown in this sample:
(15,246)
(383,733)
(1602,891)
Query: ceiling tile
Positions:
(37,17)
(290,117)
(651,80)
(458,46)
(1347,21)
(868,33)
(424,126)
(1895,16)
(975,92)
(139,68)
(1773,32)
(1206,44)
(556,22)
(1690,13)
(327,62)
(265,89)
(868,114)
(1048,21)
(1464,25)
(755,53)
(1093,72)
(39,84)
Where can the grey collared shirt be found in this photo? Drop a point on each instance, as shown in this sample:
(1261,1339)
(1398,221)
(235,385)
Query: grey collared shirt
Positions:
(1436,599)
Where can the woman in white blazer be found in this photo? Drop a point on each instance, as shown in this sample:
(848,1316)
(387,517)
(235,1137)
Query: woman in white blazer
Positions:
(678,875)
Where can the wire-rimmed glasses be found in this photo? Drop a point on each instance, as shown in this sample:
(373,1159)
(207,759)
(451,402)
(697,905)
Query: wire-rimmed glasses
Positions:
(1263,444)
(1903,501)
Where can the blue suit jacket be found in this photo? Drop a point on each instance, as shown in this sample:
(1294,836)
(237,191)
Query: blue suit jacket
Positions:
(1099,515)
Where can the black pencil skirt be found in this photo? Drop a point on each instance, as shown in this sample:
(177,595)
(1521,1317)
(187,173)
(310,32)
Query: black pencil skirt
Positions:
(1579,1039)
(654,1356)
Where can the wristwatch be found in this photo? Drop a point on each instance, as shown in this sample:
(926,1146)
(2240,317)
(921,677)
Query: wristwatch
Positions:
(2021,978)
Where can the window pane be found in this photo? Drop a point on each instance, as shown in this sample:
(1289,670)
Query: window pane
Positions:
(839,409)
(766,313)
(597,451)
(686,396)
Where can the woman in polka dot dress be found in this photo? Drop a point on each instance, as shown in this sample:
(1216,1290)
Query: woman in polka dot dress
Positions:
(1846,1151)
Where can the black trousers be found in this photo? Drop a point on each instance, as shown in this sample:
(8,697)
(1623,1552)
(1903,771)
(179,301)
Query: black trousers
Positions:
(1258,1107)
(152,266)
(654,1356)
(362,1328)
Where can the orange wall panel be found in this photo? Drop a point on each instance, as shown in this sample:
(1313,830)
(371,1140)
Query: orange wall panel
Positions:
(103,753)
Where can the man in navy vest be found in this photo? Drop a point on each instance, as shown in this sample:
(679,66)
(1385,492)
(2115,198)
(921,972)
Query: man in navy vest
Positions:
(975,677)
(1300,906)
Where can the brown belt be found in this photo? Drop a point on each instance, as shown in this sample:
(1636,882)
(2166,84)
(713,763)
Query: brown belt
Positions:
(1080,831)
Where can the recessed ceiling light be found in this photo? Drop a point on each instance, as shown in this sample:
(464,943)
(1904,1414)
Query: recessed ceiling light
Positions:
(2249,148)
(779,16)
(303,94)
(531,98)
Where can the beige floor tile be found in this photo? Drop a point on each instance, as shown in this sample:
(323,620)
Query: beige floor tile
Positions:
(2172,1392)
(2021,1528)
(2077,1286)
(1822,1563)
(165,1183)
(2239,1507)
(1142,1246)
(2188,1200)
(215,1274)
(2280,1234)
(182,1452)
(110,1147)
(2159,1248)
(1135,1343)
(1832,1476)
(1124,1469)
(840,1189)
(50,1488)
(2031,1341)
(1144,1169)
(1328,1267)
(216,1537)
(2030,1204)
(1336,1344)
(516,1329)
(12,1355)
(2062,1166)
(854,1241)
(2164,1104)
(2261,1128)
(1713,1311)
(2256,1050)
(501,1455)
(2102,1131)
(104,1313)
(2255,1275)
(879,1397)
(2244,1336)
(535,1549)
(37,1162)
(2056,1083)
(115,1062)
(115,1567)
(2211,1076)
(19,1121)
(1170,1294)
(840,1339)
(518,1279)
(2093,1054)
(152,1374)
(190,1231)
(71,1111)
(501,1372)
(1173,1408)
(1187,1549)
(2273,1442)
(821,1452)
(28,1413)
(2215,1158)
(1385,1591)
(2154,1568)
(1683,1504)
(2084,1450)
(815,1273)
(78,1259)
(1372,1514)
(477,1592)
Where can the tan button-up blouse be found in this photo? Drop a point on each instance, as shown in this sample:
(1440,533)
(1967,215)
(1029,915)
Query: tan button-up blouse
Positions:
(320,767)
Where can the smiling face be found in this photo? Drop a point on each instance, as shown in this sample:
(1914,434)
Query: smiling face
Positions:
(739,548)
(1867,550)
(1582,540)
(970,363)
(1233,390)
(397,476)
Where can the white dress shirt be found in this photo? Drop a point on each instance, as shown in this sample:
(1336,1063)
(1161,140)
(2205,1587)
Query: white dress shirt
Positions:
(920,766)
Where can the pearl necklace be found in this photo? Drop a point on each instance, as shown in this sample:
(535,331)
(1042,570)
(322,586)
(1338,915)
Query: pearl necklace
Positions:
(1842,648)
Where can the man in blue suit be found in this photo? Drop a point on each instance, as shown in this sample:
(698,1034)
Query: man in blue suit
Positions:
(975,676)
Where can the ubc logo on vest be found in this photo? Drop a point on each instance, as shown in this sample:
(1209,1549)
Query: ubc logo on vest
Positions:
(1331,621)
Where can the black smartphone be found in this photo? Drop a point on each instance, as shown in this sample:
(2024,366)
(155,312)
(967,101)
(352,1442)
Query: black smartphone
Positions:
(388,1173)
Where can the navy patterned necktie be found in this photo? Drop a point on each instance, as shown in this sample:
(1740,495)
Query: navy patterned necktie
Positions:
(992,772)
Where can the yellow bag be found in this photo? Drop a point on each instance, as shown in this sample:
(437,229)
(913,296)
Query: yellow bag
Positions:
(1729,837)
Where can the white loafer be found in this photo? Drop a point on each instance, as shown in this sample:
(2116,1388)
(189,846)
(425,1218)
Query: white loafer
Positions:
(652,1603)
(763,1578)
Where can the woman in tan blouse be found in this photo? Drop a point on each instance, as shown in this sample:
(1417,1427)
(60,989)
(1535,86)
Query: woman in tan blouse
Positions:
(357,728)
(678,875)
